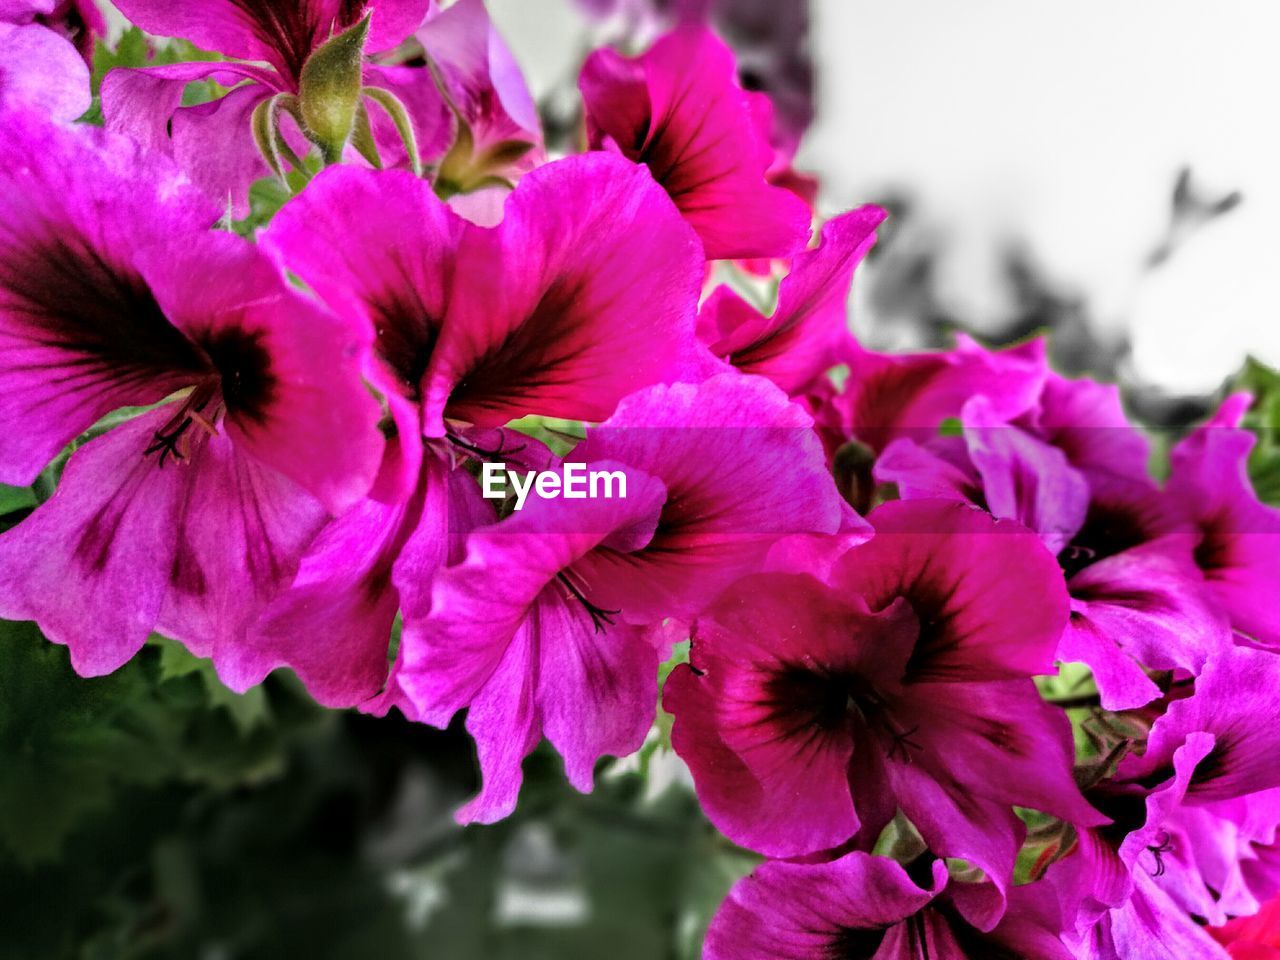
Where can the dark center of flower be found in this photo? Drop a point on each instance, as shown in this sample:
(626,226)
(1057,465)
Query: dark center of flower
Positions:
(803,699)
(854,944)
(244,372)
(1107,531)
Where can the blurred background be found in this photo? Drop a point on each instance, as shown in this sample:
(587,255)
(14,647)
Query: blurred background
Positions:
(1103,171)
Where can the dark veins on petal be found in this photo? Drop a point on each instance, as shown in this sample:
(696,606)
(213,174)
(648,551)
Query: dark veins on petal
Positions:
(406,335)
(805,702)
(289,27)
(75,300)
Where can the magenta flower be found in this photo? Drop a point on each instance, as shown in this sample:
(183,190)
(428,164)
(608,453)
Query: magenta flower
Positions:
(585,583)
(79,21)
(1194,818)
(679,109)
(1237,536)
(113,293)
(540,655)
(272,43)
(41,70)
(910,395)
(808,332)
(743,472)
(499,134)
(811,712)
(585,291)
(862,907)
(1138,601)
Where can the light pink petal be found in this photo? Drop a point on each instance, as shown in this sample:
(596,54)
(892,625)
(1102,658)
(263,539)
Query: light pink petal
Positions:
(81,333)
(42,71)
(585,292)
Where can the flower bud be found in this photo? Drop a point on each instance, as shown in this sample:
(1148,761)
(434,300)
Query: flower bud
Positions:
(329,90)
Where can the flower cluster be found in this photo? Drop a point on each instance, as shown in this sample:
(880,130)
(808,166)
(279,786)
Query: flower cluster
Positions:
(278,425)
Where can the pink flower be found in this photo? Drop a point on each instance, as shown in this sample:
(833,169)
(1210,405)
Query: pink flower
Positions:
(40,69)
(679,109)
(811,712)
(114,293)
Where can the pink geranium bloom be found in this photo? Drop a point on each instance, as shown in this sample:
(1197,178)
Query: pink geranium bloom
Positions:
(1237,536)
(584,583)
(114,293)
(40,70)
(679,109)
(1072,469)
(271,42)
(1191,818)
(584,292)
(808,332)
(811,712)
(862,907)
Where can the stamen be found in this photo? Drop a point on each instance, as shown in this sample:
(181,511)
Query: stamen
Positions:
(1164,846)
(172,440)
(483,453)
(600,618)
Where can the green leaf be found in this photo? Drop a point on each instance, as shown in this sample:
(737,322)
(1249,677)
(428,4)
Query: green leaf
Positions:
(15,498)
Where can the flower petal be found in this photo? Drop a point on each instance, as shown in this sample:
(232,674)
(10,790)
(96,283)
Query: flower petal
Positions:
(290,372)
(585,292)
(43,72)
(684,115)
(81,333)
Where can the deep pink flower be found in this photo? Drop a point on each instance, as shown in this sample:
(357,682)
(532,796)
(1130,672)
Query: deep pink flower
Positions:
(270,41)
(79,21)
(40,70)
(1138,601)
(114,293)
(743,473)
(1190,816)
(910,395)
(585,582)
(517,635)
(862,907)
(811,712)
(1238,537)
(808,332)
(679,109)
(552,312)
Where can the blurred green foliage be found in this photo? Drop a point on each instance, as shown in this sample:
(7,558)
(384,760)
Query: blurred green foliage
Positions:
(152,813)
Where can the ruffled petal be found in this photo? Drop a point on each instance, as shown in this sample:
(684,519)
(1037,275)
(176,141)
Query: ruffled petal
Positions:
(535,657)
(290,373)
(81,332)
(991,597)
(742,468)
(808,332)
(684,115)
(586,291)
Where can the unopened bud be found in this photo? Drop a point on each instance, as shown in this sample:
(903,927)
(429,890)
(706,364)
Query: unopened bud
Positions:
(329,90)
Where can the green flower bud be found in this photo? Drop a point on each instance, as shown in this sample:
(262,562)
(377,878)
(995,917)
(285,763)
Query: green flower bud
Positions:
(329,91)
